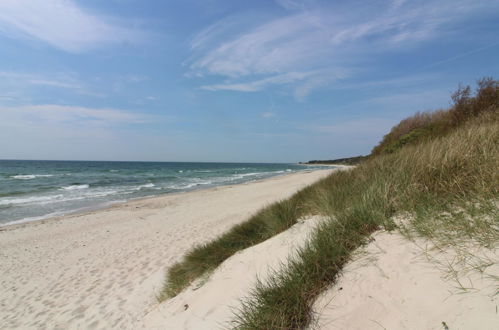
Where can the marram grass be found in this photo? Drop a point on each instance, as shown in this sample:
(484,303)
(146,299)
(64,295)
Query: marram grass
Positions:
(447,183)
(455,171)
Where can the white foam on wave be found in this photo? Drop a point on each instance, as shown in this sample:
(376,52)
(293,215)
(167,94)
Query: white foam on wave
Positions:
(101,193)
(93,194)
(222,180)
(257,175)
(194,183)
(250,174)
(30,200)
(75,187)
(30,176)
(76,194)
(62,212)
(187,186)
(244,175)
(81,191)
(144,186)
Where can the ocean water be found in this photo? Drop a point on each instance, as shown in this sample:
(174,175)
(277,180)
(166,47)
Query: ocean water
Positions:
(33,190)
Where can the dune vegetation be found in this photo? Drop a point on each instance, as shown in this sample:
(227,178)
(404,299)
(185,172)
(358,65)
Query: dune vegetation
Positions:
(437,169)
(425,126)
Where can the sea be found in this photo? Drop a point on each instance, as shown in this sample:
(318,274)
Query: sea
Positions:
(33,190)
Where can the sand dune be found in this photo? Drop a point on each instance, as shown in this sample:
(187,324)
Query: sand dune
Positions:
(398,284)
(211,303)
(102,269)
(392,283)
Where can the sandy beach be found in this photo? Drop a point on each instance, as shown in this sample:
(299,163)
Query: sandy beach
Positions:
(102,269)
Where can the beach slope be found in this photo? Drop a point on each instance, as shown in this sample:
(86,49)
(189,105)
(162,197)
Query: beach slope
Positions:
(102,269)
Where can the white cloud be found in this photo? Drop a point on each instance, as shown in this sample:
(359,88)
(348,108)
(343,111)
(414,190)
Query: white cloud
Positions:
(304,82)
(62,24)
(271,48)
(307,38)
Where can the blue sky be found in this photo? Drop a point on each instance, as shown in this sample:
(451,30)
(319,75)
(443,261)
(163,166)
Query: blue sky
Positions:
(233,80)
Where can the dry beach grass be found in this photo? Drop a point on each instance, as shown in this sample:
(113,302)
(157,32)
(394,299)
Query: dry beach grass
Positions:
(444,179)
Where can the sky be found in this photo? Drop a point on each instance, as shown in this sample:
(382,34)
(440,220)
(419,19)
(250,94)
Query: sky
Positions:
(230,80)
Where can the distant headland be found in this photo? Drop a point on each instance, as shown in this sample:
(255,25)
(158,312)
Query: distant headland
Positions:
(340,161)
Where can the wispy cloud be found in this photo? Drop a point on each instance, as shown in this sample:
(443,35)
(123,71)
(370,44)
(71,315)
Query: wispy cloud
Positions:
(258,85)
(20,85)
(285,49)
(23,83)
(74,132)
(62,24)
(51,113)
(274,47)
(292,4)
(60,80)
(304,82)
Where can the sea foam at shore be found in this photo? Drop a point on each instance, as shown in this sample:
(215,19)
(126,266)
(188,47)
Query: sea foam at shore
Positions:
(32,190)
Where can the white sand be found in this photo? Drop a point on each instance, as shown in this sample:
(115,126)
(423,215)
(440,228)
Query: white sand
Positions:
(393,285)
(211,305)
(102,269)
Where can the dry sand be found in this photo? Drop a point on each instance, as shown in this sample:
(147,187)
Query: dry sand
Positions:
(392,283)
(102,269)
(211,303)
(399,284)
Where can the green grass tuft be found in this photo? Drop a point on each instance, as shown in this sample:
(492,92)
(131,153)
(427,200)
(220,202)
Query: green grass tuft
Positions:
(205,258)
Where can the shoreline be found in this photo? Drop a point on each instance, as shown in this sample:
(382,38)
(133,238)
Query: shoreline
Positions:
(112,204)
(103,268)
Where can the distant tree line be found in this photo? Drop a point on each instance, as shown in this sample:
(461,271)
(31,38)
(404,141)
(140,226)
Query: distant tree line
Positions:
(340,161)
